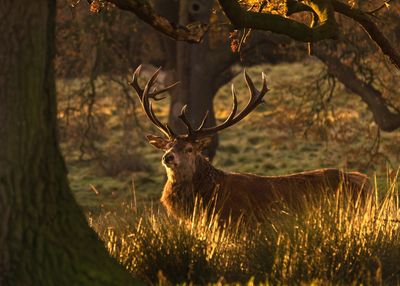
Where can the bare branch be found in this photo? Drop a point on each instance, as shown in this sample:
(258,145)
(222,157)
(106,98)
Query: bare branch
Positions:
(371,28)
(327,29)
(384,5)
(192,33)
(383,116)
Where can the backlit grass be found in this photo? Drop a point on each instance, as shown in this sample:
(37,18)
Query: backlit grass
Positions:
(331,242)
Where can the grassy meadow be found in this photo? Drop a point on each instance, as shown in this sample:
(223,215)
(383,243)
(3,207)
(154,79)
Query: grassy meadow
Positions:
(118,182)
(330,243)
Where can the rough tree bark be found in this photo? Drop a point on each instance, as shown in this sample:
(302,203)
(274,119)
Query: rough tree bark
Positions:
(44,237)
(195,73)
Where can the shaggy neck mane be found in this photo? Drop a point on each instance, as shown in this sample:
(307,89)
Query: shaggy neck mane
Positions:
(179,196)
(206,176)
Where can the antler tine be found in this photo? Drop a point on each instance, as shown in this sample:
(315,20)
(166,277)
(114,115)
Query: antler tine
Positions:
(134,82)
(185,120)
(145,94)
(254,93)
(234,106)
(256,98)
(170,130)
(203,122)
(164,128)
(154,92)
(148,108)
(149,85)
(157,92)
(151,93)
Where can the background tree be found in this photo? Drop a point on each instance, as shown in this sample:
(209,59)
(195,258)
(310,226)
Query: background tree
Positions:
(202,69)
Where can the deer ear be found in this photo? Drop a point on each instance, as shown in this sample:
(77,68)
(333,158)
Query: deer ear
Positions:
(158,142)
(203,142)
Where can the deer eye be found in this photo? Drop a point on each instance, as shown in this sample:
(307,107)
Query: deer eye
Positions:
(189,150)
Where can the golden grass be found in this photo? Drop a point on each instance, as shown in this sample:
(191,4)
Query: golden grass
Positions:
(331,242)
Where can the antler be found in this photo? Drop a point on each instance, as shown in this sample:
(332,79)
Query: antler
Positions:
(150,91)
(256,98)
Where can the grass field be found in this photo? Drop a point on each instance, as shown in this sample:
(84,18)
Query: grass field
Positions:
(330,243)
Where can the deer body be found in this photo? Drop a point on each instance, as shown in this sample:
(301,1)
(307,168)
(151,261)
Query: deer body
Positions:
(191,176)
(247,196)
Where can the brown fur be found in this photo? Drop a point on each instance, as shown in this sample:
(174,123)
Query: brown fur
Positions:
(250,196)
(191,176)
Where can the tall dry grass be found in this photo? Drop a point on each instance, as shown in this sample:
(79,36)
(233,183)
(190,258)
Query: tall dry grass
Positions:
(333,241)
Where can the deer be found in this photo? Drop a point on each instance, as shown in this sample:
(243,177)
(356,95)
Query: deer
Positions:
(233,196)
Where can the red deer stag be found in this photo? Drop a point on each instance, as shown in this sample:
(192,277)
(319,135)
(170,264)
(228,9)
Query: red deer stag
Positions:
(233,195)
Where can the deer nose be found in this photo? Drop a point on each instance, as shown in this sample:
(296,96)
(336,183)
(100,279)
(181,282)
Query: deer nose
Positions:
(168,158)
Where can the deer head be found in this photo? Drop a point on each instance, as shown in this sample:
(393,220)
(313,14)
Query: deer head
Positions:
(183,152)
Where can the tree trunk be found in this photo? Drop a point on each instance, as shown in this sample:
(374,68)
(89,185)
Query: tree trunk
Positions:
(200,69)
(196,88)
(44,237)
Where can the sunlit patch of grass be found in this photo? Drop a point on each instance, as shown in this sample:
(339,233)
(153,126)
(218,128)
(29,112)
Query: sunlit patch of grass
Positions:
(332,241)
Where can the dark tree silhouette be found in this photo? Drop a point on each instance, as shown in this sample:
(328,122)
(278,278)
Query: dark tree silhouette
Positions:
(44,236)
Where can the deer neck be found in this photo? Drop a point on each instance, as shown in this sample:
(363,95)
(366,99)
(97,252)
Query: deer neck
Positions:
(204,179)
(206,175)
(179,196)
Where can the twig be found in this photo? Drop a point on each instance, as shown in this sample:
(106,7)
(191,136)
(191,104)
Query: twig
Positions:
(385,4)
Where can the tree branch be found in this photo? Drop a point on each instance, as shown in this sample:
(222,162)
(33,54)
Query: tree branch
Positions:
(323,10)
(383,116)
(327,29)
(192,33)
(371,28)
